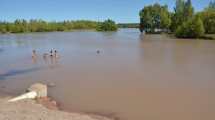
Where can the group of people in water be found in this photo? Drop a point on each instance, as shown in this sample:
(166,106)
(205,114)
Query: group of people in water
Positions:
(53,55)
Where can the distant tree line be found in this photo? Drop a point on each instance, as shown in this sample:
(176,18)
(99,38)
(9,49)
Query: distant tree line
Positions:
(128,25)
(183,22)
(22,26)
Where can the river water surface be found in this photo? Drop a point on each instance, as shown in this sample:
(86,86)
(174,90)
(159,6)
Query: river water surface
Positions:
(134,77)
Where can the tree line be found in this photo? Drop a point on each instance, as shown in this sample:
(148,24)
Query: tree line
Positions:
(184,22)
(22,26)
(128,25)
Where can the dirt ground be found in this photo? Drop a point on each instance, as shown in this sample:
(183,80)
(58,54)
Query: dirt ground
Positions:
(35,110)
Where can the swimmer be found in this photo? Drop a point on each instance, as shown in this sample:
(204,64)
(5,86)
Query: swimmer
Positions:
(98,51)
(51,53)
(34,54)
(56,54)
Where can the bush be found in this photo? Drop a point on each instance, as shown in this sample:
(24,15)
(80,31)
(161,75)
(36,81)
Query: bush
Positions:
(107,25)
(192,28)
(208,18)
(3,28)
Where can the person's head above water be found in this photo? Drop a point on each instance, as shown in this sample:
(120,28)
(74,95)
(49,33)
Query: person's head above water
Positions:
(34,55)
(34,51)
(98,51)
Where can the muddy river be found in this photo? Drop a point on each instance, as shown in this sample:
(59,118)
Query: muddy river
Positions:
(123,74)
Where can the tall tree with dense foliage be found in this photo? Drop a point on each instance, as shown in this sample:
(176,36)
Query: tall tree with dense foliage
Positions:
(184,23)
(193,28)
(209,22)
(188,10)
(154,17)
(177,16)
(141,26)
(211,5)
(183,11)
(208,18)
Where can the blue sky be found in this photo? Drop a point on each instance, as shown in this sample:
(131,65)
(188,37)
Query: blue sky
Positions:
(122,11)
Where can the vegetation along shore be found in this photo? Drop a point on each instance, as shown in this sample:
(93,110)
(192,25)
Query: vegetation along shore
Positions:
(183,22)
(23,26)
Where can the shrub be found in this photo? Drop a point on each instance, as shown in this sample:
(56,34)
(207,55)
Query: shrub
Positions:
(3,28)
(192,28)
(107,25)
(208,18)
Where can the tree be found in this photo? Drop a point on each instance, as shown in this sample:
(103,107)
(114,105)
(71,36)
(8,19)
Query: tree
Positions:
(183,11)
(188,10)
(165,18)
(107,25)
(177,16)
(208,18)
(211,5)
(154,17)
(141,27)
(192,28)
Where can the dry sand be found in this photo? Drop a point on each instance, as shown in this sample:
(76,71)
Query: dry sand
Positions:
(32,110)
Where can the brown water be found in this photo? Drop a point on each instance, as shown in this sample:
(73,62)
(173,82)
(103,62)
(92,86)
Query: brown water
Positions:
(135,77)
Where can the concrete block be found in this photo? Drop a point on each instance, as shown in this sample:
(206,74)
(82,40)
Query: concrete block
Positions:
(39,88)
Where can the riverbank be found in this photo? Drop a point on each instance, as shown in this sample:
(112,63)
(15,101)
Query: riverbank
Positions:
(205,37)
(38,110)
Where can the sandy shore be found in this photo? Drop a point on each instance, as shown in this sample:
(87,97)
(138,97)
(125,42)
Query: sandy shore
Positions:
(34,110)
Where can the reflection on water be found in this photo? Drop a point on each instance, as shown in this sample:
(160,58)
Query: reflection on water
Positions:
(134,76)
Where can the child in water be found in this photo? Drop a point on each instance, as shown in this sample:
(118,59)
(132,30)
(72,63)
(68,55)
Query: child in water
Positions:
(51,53)
(34,55)
(56,54)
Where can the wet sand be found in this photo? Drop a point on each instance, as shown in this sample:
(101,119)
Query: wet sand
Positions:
(133,77)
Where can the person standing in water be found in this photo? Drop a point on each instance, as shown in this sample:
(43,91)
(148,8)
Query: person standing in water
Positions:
(34,56)
(56,54)
(51,53)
